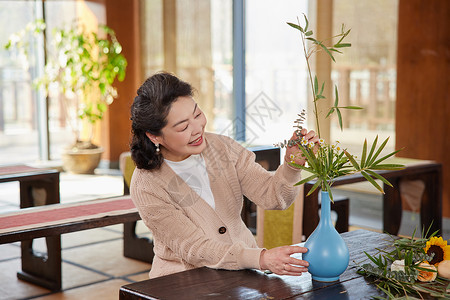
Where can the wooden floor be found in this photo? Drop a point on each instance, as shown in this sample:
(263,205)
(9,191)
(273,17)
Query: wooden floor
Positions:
(93,263)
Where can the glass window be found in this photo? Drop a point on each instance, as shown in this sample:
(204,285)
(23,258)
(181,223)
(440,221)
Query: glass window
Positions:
(20,109)
(366,73)
(193,39)
(275,70)
(18,118)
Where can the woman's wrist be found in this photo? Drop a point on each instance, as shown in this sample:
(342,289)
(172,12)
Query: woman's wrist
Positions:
(262,265)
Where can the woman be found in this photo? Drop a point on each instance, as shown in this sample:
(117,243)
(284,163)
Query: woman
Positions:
(189,185)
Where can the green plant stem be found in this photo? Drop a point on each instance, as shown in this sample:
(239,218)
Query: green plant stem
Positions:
(311,81)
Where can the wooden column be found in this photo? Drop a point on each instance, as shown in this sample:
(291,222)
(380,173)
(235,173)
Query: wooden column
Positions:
(322,65)
(423,84)
(123,17)
(170,35)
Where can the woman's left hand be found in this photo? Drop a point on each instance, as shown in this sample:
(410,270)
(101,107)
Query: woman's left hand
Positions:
(294,154)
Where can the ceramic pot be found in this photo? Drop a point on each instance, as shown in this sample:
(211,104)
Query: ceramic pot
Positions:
(81,161)
(327,254)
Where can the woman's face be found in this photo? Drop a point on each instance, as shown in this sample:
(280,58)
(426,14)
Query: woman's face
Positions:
(183,134)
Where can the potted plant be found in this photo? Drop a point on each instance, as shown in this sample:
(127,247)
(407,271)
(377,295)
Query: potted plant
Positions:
(327,162)
(81,68)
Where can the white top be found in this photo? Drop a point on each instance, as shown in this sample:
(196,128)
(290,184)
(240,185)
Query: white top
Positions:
(193,171)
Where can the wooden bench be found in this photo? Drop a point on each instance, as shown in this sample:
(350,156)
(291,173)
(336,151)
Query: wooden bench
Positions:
(52,220)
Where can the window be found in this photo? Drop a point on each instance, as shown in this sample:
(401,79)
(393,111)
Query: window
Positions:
(25,122)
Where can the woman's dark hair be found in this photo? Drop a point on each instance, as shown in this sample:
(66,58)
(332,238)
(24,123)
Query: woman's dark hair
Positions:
(148,114)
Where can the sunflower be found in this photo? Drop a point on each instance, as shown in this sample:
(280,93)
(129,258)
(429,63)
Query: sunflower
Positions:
(438,247)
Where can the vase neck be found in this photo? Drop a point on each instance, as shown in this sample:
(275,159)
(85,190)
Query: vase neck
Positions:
(325,210)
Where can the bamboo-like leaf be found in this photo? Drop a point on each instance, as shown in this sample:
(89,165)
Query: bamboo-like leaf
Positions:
(335,50)
(343,45)
(316,85)
(306,22)
(315,186)
(330,112)
(378,176)
(308,169)
(321,89)
(378,151)
(338,112)
(298,27)
(306,180)
(364,153)
(372,181)
(327,51)
(385,157)
(372,149)
(310,158)
(351,107)
(309,33)
(371,258)
(328,189)
(388,167)
(352,160)
(336,101)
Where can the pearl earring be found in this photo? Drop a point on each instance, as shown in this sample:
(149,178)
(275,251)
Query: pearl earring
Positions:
(157,148)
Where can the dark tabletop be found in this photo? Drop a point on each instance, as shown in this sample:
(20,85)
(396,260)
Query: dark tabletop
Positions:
(206,283)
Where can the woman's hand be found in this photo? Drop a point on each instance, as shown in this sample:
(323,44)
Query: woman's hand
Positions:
(293,153)
(279,261)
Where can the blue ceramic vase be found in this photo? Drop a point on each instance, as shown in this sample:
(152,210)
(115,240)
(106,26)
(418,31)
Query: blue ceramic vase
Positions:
(327,254)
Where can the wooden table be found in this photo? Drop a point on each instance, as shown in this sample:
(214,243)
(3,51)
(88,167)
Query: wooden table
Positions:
(430,208)
(32,178)
(34,266)
(205,283)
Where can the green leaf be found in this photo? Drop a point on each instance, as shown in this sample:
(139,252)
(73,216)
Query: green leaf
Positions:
(330,112)
(328,189)
(316,85)
(309,33)
(335,50)
(385,157)
(298,27)
(378,176)
(372,181)
(344,45)
(351,107)
(306,22)
(306,180)
(315,186)
(387,167)
(327,51)
(372,149)
(352,160)
(336,101)
(378,152)
(364,153)
(338,112)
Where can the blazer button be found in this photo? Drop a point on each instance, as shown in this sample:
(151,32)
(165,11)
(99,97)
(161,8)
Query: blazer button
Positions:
(222,230)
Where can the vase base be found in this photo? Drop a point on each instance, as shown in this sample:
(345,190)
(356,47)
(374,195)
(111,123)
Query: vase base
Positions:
(325,279)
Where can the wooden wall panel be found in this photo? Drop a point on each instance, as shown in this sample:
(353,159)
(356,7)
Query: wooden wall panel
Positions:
(123,17)
(423,85)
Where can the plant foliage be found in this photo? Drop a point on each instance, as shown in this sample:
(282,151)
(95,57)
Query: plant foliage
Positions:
(81,66)
(328,162)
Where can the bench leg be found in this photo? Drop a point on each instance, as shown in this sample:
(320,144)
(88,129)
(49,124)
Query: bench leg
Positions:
(134,246)
(43,270)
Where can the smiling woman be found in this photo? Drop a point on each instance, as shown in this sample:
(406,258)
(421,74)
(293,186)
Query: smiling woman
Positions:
(183,134)
(189,186)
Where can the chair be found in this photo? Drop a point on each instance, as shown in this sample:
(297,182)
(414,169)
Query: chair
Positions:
(136,247)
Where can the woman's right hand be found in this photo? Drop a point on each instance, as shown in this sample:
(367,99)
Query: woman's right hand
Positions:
(279,260)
